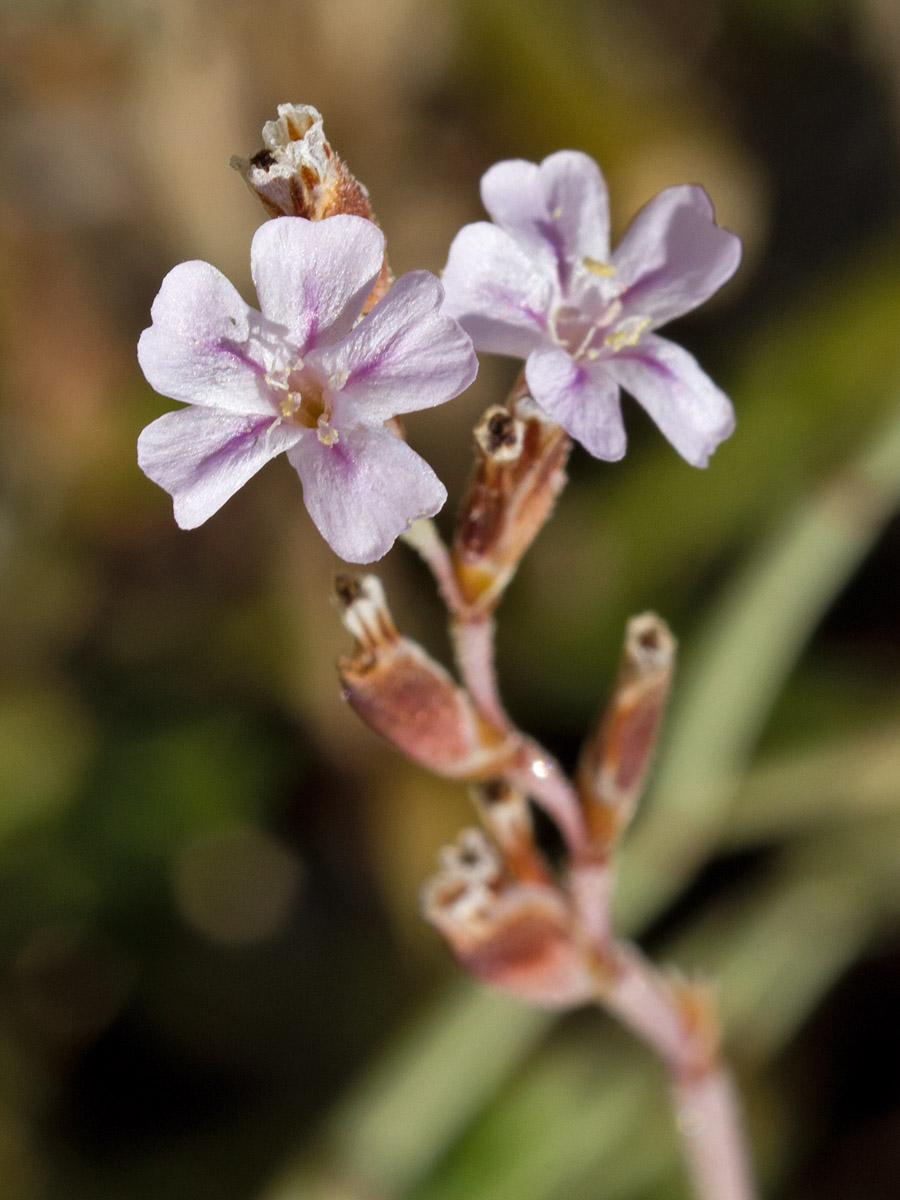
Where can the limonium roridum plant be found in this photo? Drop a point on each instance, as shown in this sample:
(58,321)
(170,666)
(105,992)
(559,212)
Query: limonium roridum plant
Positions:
(335,352)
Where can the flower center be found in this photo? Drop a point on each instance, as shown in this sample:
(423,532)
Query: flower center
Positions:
(300,398)
(591,323)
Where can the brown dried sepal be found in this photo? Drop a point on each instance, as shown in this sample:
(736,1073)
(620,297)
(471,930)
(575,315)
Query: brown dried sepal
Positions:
(298,174)
(512,936)
(411,700)
(520,469)
(505,814)
(617,757)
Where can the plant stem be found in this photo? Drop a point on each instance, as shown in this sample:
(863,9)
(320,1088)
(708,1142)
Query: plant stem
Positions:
(706,1108)
(473,642)
(706,1113)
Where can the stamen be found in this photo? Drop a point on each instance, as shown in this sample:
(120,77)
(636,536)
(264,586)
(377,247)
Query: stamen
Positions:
(628,333)
(604,269)
(326,434)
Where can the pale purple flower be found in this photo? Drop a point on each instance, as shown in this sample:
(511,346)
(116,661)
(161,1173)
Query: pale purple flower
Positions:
(541,284)
(303,376)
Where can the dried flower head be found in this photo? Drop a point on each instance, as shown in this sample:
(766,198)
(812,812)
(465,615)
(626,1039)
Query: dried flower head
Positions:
(616,758)
(541,284)
(403,694)
(516,937)
(297,173)
(520,469)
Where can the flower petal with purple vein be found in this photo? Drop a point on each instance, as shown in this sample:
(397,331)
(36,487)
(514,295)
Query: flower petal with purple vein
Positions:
(365,490)
(199,347)
(673,256)
(583,400)
(201,456)
(684,402)
(492,288)
(313,277)
(403,357)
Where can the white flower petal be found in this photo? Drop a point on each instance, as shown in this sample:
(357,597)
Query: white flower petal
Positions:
(366,489)
(684,402)
(496,292)
(584,401)
(559,208)
(200,348)
(673,255)
(313,277)
(403,356)
(201,456)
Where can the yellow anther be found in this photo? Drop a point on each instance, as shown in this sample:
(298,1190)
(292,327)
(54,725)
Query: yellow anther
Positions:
(628,334)
(326,434)
(604,269)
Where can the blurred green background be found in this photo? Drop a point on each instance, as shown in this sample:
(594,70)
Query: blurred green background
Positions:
(213,979)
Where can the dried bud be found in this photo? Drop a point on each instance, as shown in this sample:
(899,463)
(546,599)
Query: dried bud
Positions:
(512,936)
(616,759)
(298,174)
(505,813)
(519,471)
(407,697)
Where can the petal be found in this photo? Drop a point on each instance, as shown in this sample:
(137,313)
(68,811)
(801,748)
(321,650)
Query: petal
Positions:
(680,397)
(402,357)
(496,292)
(199,348)
(365,490)
(201,456)
(585,402)
(562,203)
(313,276)
(673,255)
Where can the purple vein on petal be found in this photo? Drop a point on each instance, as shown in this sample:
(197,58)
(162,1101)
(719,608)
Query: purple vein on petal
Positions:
(627,297)
(232,348)
(235,445)
(646,359)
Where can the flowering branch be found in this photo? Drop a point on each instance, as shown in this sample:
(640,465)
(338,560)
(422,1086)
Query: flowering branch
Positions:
(334,353)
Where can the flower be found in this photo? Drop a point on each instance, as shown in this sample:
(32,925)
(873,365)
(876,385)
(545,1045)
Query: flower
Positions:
(305,377)
(541,284)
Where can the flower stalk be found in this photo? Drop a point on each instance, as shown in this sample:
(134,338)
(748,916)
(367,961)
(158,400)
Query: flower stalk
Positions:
(336,352)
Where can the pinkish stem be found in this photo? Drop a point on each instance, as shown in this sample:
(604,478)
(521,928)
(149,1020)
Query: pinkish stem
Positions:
(705,1104)
(424,538)
(539,775)
(707,1113)
(473,641)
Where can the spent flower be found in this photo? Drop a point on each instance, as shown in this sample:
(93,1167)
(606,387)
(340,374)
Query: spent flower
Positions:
(541,284)
(304,375)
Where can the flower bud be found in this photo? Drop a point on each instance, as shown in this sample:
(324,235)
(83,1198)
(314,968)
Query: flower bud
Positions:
(616,758)
(298,174)
(407,697)
(519,471)
(513,936)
